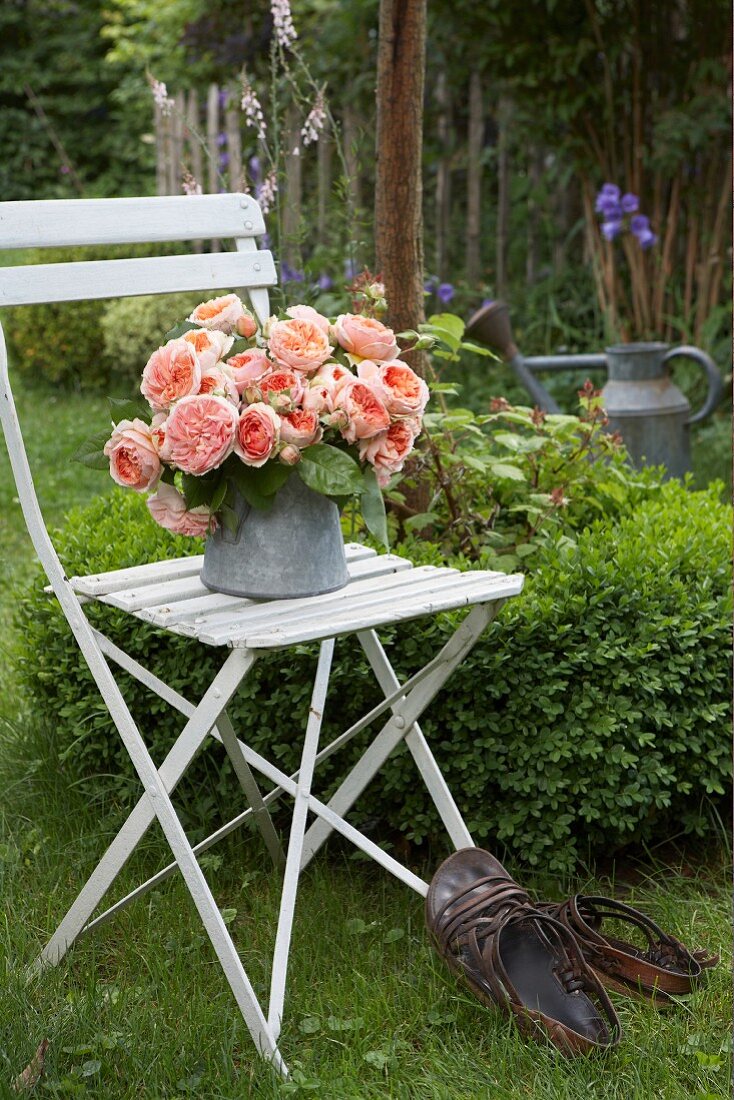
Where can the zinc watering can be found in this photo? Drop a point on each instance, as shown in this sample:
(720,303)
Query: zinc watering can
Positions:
(643,404)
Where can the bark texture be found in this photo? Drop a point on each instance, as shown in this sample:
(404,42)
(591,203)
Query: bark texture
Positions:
(398,189)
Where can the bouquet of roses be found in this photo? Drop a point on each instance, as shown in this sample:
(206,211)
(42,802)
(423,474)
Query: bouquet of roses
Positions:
(229,408)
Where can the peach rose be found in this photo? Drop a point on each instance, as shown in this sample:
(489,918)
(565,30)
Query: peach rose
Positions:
(318,398)
(158,436)
(402,390)
(365,411)
(134,461)
(283,388)
(248,366)
(258,434)
(308,313)
(200,433)
(168,509)
(172,372)
(299,345)
(366,337)
(300,427)
(214,380)
(226,314)
(388,450)
(210,347)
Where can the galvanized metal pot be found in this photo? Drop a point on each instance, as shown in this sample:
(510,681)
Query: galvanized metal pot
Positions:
(294,549)
(647,408)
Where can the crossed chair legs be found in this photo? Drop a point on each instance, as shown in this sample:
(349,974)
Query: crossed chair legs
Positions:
(404,703)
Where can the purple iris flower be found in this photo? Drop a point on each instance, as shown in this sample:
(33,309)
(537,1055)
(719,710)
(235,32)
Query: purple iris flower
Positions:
(611,210)
(325,282)
(265,240)
(223,97)
(431,285)
(639,224)
(223,160)
(646,238)
(254,166)
(611,229)
(350,269)
(290,274)
(445,293)
(221,138)
(630,203)
(487,302)
(609,194)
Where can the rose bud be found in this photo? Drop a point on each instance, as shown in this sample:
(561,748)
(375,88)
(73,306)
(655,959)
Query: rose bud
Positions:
(290,455)
(246,325)
(252,394)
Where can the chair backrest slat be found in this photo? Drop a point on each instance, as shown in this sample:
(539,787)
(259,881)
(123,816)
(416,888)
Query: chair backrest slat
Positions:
(53,223)
(92,279)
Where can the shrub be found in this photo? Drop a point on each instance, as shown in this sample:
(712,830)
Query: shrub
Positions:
(592,713)
(91,345)
(132,328)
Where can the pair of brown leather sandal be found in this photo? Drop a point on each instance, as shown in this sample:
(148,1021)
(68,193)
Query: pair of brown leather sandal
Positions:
(547,965)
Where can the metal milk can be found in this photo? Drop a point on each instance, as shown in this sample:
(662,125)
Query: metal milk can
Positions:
(642,402)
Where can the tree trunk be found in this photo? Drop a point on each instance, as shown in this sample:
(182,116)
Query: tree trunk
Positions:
(535,174)
(474,180)
(503,195)
(443,177)
(398,187)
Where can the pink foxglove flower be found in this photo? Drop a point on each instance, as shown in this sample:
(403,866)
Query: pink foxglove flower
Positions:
(285,32)
(253,112)
(315,121)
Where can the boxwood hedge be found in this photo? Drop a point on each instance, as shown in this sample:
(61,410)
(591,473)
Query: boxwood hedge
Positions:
(593,712)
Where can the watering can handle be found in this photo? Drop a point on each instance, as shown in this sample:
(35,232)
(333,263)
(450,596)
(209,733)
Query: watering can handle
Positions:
(716,382)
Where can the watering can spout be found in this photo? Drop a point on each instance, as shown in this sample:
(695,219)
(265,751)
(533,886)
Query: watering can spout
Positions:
(491,325)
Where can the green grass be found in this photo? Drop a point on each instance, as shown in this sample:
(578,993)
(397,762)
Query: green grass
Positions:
(141,1008)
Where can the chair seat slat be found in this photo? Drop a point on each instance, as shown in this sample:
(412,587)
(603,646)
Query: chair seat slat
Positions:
(463,591)
(54,223)
(93,279)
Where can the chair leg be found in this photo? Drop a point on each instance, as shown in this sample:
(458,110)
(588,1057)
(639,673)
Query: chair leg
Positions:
(406,712)
(222,688)
(416,742)
(295,841)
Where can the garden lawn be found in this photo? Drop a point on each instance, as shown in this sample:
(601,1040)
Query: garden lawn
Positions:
(141,1008)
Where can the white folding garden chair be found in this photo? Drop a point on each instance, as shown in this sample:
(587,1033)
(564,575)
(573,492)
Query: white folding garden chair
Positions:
(383,589)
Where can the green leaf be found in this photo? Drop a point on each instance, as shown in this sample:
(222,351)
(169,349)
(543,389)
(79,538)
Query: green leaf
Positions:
(199,490)
(503,470)
(219,494)
(373,507)
(178,330)
(444,387)
(329,471)
(423,519)
(230,519)
(450,322)
(122,408)
(273,476)
(467,345)
(91,452)
(249,482)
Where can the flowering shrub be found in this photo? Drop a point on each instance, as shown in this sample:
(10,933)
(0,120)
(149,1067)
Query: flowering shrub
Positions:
(232,409)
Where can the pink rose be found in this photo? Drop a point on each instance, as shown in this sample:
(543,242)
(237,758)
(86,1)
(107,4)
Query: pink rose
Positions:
(172,372)
(168,509)
(402,390)
(225,314)
(388,450)
(308,313)
(214,380)
(158,436)
(134,461)
(366,414)
(299,345)
(248,366)
(210,347)
(283,388)
(366,337)
(200,433)
(335,375)
(258,434)
(318,398)
(300,427)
